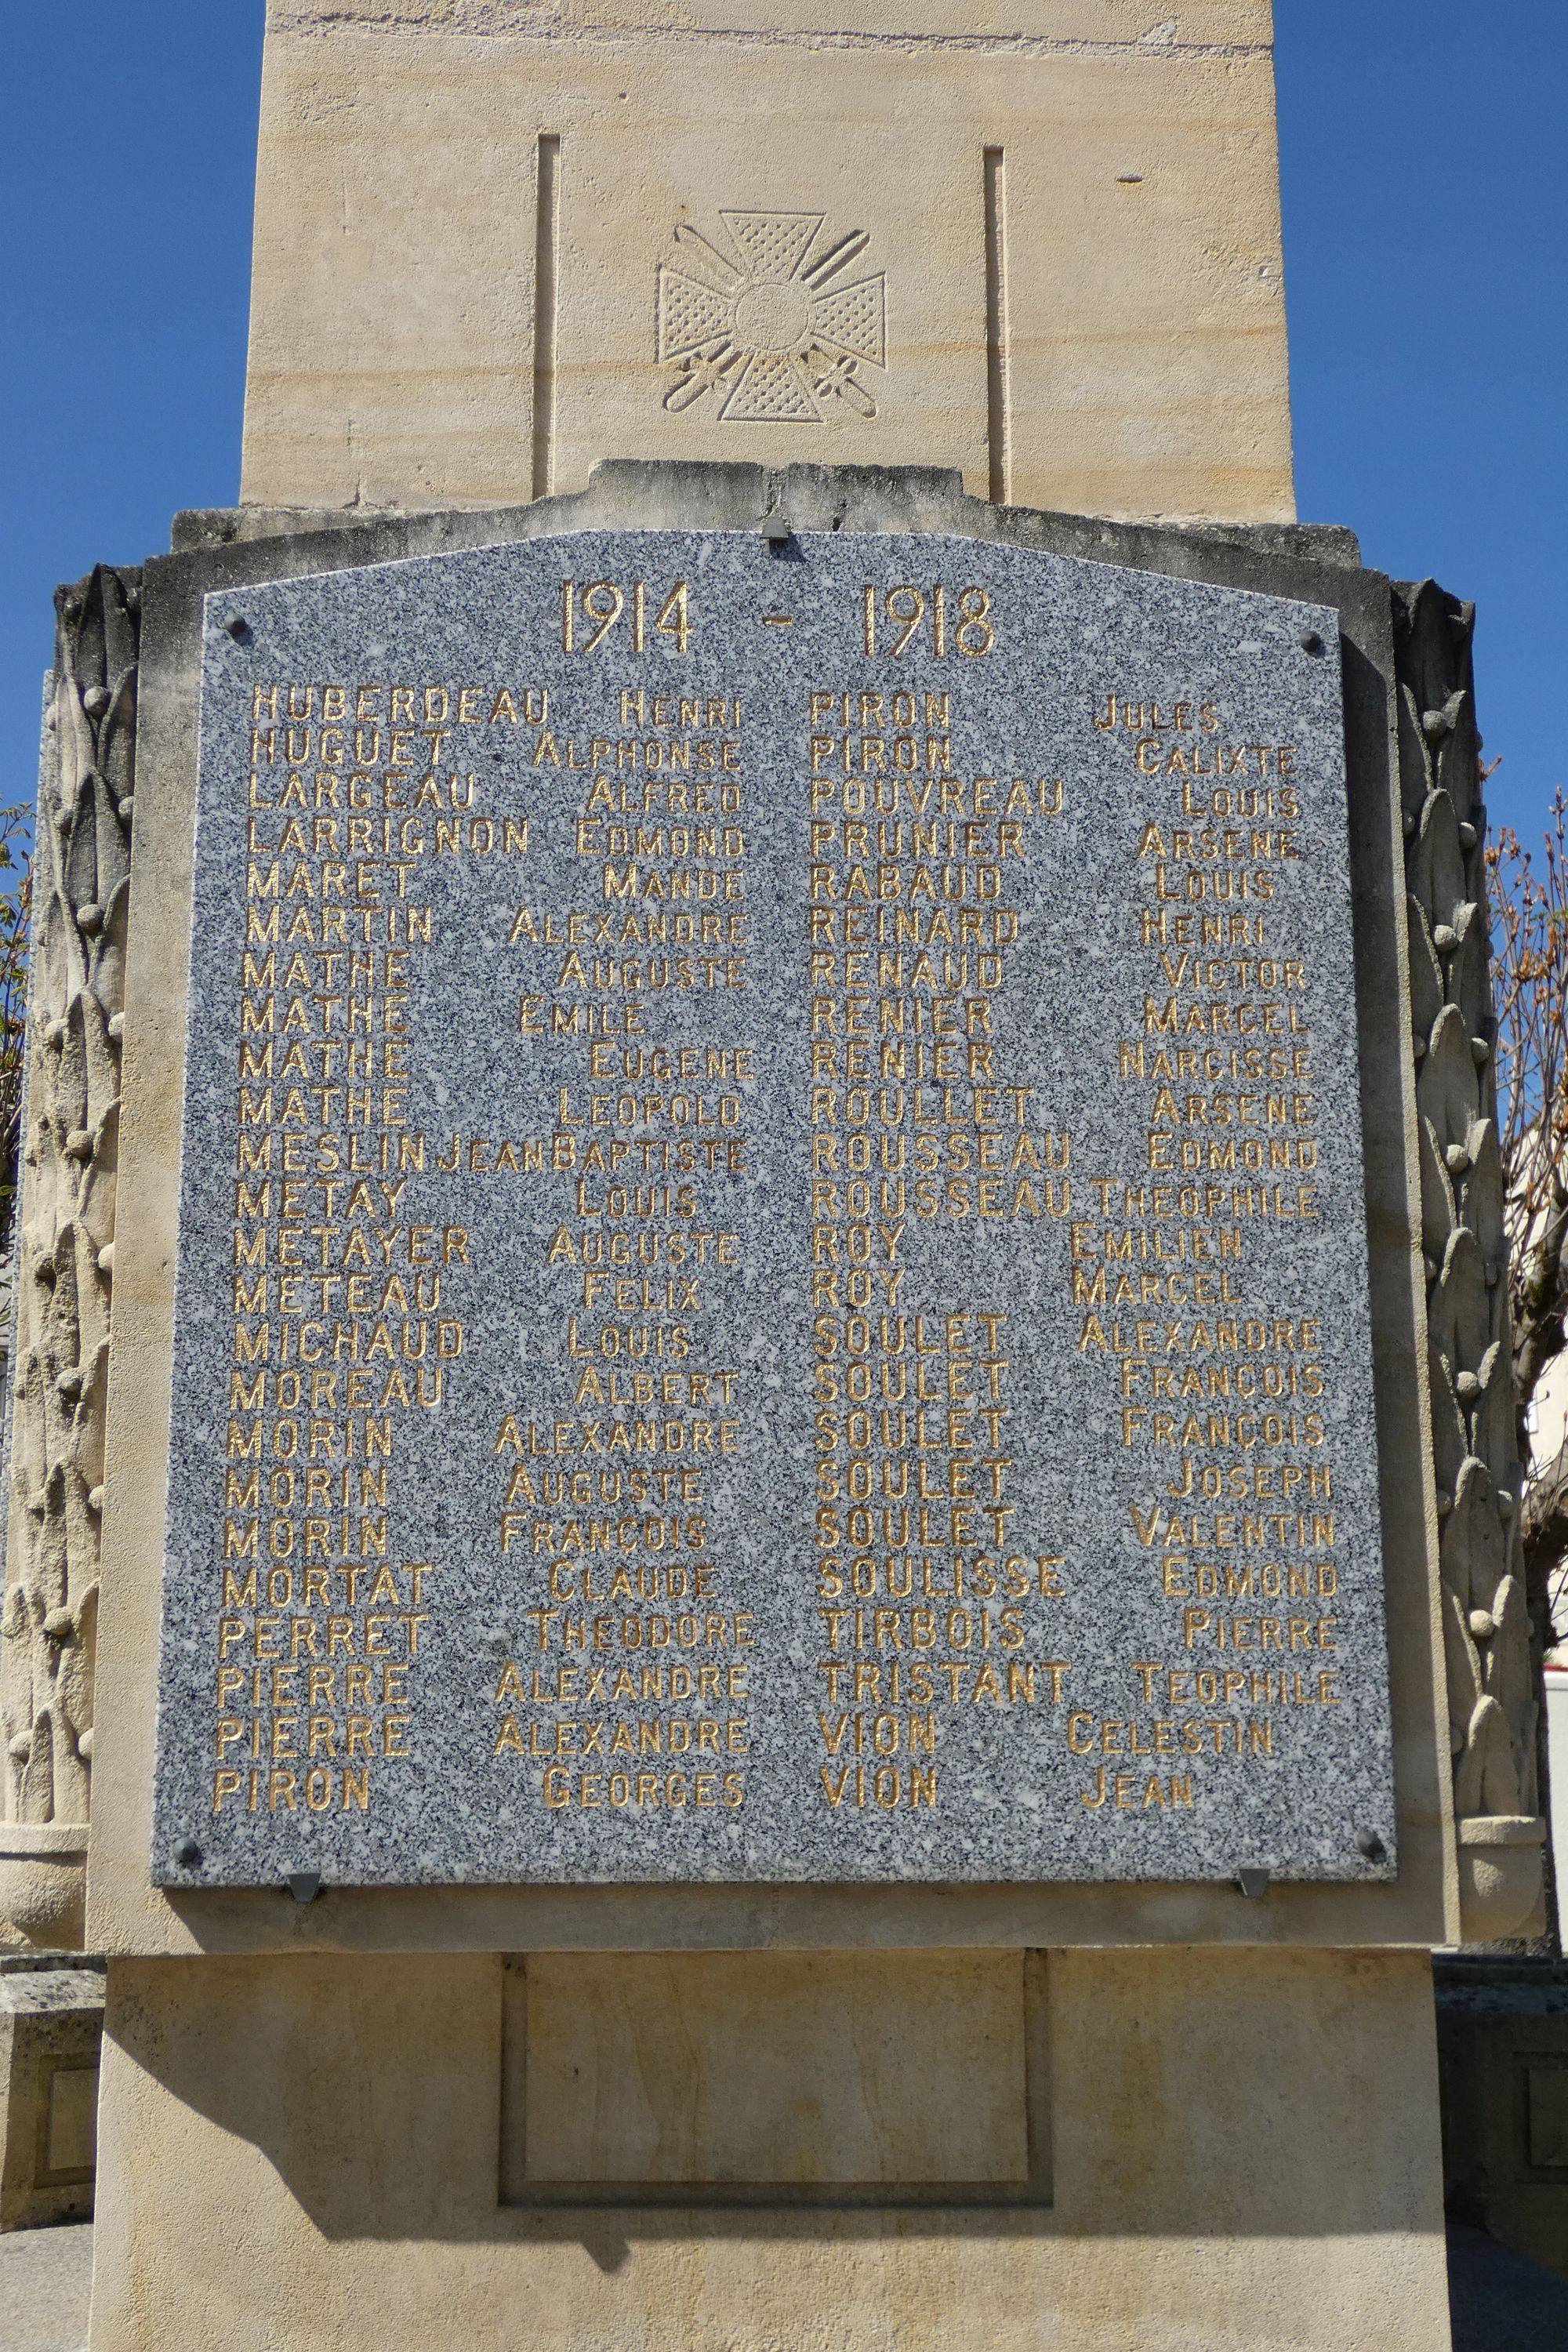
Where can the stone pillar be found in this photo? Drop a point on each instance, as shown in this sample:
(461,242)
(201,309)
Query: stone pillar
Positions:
(844,251)
(1043,246)
(65,1259)
(1477,1478)
(51,2020)
(1138,2115)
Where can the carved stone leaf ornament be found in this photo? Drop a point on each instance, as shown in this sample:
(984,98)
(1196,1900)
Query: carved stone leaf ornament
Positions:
(771,327)
(65,1257)
(1476,1472)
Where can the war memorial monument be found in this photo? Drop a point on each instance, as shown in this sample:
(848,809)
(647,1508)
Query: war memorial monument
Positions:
(762,1567)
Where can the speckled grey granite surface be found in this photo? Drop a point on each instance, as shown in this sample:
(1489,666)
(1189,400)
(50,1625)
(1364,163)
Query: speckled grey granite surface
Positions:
(590,1541)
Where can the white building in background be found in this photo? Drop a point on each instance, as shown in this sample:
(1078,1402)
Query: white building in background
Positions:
(1548,1423)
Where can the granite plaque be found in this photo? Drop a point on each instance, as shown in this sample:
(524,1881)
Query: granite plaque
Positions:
(772,1263)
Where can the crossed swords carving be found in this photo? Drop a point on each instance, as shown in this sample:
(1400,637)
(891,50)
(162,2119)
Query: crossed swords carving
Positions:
(710,369)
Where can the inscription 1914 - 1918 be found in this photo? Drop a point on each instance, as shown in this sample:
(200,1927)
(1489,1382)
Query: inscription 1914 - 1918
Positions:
(772,1261)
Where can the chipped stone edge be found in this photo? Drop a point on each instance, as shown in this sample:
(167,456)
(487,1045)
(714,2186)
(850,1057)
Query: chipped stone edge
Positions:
(521,20)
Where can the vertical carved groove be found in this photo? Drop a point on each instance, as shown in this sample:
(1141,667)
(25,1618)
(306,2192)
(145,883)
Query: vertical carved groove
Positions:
(998,388)
(1475,1468)
(64,1248)
(546,265)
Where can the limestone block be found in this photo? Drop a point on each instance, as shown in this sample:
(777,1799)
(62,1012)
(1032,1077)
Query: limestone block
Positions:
(69,1152)
(1502,2040)
(51,2019)
(1038,239)
(1244,2155)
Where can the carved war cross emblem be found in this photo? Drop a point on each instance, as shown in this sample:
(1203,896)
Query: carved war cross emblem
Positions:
(777,333)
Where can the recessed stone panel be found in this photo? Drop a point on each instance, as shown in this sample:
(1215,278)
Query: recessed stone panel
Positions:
(773,1270)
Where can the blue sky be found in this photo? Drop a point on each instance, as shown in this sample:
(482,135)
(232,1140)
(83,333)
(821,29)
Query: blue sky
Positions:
(1425,221)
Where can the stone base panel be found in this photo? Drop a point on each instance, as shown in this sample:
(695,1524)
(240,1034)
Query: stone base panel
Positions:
(1100,2151)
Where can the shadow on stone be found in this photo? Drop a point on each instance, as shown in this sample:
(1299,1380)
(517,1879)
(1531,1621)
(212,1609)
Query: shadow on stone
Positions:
(1497,2298)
